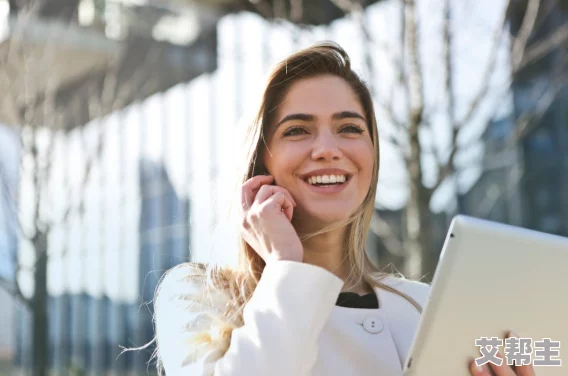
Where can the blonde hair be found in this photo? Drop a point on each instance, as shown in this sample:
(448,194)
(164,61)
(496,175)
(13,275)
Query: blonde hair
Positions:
(239,283)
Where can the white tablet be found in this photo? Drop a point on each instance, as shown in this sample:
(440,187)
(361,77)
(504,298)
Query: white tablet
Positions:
(491,278)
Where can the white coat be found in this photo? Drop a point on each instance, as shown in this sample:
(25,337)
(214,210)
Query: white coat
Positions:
(292,327)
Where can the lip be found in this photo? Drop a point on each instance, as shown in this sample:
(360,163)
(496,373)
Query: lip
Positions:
(330,189)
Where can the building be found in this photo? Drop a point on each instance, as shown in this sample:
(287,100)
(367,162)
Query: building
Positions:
(9,173)
(544,145)
(526,172)
(496,195)
(88,331)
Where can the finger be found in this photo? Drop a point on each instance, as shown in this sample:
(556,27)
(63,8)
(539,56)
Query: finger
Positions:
(288,209)
(525,370)
(521,370)
(268,190)
(478,370)
(504,369)
(251,187)
(283,202)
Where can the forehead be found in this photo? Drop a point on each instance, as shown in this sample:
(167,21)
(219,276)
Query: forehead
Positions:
(320,96)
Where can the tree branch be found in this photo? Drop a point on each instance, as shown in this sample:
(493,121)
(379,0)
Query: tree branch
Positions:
(446,169)
(495,193)
(520,42)
(448,66)
(402,77)
(486,78)
(399,128)
(46,170)
(526,121)
(521,54)
(355,9)
(541,49)
(13,288)
(416,97)
(415,79)
(524,124)
(34,154)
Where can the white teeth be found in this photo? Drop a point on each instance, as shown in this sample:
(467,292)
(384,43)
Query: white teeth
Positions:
(327,179)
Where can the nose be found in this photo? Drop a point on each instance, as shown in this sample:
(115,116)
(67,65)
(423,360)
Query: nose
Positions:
(326,148)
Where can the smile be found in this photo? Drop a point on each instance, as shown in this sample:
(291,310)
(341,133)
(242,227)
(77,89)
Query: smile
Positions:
(327,184)
(327,180)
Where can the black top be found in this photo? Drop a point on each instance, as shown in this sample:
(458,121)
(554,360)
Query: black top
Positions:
(354,300)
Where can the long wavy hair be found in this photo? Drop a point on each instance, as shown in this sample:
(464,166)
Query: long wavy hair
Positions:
(239,283)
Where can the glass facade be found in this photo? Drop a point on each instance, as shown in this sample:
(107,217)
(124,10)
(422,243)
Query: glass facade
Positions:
(545,185)
(87,332)
(9,175)
(537,198)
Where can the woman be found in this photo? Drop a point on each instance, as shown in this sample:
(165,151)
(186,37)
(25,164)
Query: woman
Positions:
(304,299)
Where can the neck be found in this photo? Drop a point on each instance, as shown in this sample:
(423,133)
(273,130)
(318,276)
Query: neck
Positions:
(327,251)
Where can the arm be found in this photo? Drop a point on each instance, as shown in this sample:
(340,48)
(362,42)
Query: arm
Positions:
(282,323)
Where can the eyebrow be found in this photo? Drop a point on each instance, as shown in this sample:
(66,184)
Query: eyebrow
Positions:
(337,116)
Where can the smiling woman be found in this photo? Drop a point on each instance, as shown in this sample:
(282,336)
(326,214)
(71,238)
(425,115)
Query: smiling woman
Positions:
(305,298)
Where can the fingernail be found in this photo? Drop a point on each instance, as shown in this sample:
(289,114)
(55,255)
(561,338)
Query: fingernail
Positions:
(478,369)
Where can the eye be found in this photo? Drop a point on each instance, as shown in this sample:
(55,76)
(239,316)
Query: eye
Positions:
(294,131)
(352,128)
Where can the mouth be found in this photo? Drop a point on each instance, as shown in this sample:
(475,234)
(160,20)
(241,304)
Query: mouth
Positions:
(327,184)
(327,180)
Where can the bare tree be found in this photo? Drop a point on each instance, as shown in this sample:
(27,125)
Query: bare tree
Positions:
(44,114)
(411,130)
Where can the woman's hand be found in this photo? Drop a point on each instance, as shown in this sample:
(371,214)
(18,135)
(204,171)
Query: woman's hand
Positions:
(266,222)
(503,370)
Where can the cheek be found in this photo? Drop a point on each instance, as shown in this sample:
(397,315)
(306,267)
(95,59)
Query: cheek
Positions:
(365,162)
(363,154)
(284,160)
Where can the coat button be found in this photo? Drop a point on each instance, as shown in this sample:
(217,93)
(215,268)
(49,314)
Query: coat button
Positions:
(373,325)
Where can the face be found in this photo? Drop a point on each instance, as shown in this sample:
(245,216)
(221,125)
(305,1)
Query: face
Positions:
(320,149)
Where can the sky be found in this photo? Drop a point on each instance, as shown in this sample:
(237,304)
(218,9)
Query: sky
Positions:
(199,146)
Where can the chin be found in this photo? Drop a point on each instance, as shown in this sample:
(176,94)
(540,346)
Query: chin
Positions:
(328,216)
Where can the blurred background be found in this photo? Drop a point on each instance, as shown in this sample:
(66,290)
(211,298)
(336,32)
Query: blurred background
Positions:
(119,124)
